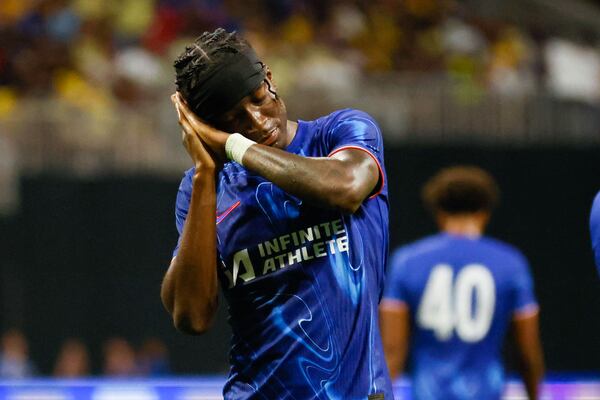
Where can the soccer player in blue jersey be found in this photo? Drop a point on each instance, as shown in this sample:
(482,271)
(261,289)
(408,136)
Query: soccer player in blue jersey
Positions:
(595,229)
(453,295)
(291,218)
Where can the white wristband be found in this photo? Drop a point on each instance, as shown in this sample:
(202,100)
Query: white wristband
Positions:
(236,146)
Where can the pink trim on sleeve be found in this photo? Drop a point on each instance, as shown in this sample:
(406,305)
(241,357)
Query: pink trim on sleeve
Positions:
(372,156)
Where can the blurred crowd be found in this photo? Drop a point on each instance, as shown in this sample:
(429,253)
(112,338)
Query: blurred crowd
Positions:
(90,53)
(119,358)
(85,84)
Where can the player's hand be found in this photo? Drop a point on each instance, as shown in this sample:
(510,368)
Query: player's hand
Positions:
(214,138)
(204,159)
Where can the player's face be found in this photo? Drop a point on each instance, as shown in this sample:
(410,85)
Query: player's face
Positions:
(261,116)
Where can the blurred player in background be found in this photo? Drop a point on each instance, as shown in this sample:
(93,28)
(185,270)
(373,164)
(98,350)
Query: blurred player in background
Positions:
(455,293)
(301,234)
(595,229)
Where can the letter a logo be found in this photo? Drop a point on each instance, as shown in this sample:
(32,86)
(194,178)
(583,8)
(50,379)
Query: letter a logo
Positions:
(242,257)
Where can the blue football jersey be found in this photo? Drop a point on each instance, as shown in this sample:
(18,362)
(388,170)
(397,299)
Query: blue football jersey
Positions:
(302,282)
(462,293)
(595,229)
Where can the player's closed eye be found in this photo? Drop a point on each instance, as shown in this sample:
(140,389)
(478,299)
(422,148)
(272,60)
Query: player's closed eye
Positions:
(260,96)
(261,101)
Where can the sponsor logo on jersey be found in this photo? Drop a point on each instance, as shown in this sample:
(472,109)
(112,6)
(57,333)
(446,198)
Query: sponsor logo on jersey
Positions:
(293,248)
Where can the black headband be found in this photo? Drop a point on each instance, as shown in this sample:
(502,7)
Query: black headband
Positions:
(230,81)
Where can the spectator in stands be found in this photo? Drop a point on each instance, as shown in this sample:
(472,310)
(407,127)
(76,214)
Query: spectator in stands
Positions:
(153,358)
(119,359)
(14,356)
(73,360)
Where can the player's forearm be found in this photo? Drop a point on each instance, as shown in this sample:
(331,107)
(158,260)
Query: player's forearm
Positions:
(532,371)
(190,286)
(395,332)
(531,359)
(532,383)
(395,352)
(323,181)
(394,363)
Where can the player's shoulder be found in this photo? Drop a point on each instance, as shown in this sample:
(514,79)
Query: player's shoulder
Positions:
(347,114)
(414,251)
(596,206)
(508,252)
(595,219)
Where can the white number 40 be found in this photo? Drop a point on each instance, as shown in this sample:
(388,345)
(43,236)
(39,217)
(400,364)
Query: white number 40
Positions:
(465,304)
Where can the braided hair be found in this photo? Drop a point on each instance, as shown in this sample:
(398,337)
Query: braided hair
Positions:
(199,59)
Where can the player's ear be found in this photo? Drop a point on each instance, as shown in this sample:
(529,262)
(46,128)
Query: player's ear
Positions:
(484,218)
(440,218)
(271,85)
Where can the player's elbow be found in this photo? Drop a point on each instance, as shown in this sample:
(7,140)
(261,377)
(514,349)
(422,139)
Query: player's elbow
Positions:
(347,208)
(350,207)
(190,326)
(192,323)
(166,296)
(194,316)
(347,198)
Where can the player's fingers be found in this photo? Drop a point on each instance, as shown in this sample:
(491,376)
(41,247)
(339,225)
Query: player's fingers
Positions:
(187,128)
(181,103)
(178,112)
(184,119)
(179,96)
(176,104)
(196,122)
(191,135)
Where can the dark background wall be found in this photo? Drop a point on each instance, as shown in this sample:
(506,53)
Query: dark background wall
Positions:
(86,258)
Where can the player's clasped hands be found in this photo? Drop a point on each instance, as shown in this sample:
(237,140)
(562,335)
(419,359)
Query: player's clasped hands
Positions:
(192,124)
(192,138)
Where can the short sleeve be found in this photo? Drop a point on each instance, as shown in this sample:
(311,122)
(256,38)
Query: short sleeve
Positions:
(182,204)
(395,288)
(524,300)
(353,129)
(595,229)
